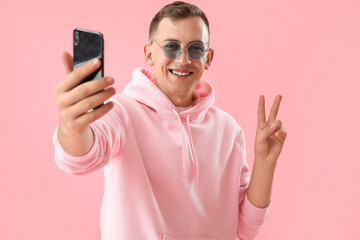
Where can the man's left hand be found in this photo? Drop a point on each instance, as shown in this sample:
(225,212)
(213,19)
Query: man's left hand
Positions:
(270,136)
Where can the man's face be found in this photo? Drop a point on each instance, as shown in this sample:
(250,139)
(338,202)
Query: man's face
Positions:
(184,31)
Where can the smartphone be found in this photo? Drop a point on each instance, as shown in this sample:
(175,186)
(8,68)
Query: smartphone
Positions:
(87,46)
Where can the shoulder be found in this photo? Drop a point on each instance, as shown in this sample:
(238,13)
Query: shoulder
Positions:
(223,116)
(123,109)
(124,102)
(129,106)
(121,99)
(225,120)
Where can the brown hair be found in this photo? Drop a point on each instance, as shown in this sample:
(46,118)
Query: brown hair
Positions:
(175,11)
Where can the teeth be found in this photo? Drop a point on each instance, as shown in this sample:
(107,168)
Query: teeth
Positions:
(180,73)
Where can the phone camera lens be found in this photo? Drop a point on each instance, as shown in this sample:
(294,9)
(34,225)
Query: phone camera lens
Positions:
(76,38)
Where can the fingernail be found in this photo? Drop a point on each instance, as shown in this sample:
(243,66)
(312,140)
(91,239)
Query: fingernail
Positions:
(272,126)
(109,80)
(95,62)
(284,130)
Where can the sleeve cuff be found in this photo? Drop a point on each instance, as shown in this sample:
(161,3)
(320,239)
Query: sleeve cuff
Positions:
(70,158)
(253,213)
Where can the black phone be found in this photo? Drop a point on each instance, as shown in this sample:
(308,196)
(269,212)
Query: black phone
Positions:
(87,46)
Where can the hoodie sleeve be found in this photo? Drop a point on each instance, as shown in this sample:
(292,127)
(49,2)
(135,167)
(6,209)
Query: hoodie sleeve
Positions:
(250,218)
(109,138)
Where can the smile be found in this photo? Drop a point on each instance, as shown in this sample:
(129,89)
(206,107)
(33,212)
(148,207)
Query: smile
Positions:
(180,73)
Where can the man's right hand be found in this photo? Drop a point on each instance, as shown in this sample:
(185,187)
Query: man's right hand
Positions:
(75,103)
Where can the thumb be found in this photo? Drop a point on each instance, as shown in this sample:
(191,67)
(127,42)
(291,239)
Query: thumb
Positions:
(67,61)
(268,131)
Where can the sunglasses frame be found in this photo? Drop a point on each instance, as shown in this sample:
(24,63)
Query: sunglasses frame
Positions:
(182,49)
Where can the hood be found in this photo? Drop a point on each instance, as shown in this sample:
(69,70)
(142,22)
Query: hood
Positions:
(143,89)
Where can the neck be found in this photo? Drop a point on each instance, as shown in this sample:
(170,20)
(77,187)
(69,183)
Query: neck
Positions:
(178,99)
(181,101)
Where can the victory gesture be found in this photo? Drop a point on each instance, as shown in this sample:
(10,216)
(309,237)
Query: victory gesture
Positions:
(270,136)
(269,140)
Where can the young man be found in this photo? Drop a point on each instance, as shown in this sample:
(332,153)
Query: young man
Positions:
(174,164)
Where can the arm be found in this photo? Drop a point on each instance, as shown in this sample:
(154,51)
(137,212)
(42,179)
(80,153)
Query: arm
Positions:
(269,141)
(254,196)
(83,144)
(250,218)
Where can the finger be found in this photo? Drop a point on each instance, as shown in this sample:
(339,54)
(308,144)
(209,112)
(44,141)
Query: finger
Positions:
(269,130)
(79,74)
(274,109)
(85,90)
(89,103)
(67,61)
(92,116)
(281,135)
(261,111)
(277,147)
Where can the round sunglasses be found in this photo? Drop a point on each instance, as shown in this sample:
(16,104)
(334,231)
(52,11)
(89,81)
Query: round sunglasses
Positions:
(195,50)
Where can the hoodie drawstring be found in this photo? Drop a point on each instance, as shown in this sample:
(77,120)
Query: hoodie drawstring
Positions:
(187,144)
(184,145)
(192,150)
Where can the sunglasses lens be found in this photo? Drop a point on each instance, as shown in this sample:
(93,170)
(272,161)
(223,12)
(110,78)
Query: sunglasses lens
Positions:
(172,50)
(196,50)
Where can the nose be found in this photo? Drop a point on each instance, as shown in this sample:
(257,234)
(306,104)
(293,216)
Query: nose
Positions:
(183,58)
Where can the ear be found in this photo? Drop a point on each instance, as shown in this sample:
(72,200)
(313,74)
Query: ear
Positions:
(148,55)
(209,58)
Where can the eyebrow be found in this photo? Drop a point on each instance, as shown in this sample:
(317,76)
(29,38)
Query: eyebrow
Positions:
(170,40)
(175,40)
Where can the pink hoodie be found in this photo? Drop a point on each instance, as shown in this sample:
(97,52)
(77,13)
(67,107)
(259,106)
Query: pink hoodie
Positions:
(169,175)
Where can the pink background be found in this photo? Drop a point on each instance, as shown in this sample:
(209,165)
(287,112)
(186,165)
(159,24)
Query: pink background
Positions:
(308,51)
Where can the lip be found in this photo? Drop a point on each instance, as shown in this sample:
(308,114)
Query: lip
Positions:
(181,71)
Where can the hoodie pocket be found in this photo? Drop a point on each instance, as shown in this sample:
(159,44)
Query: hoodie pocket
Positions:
(166,236)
